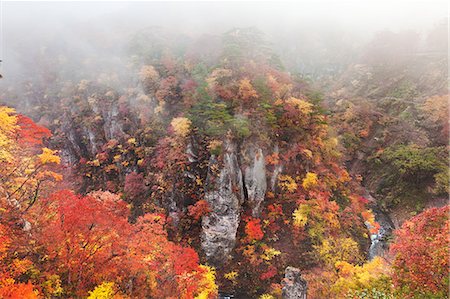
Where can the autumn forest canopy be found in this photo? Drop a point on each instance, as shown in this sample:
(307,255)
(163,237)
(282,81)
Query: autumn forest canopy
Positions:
(206,155)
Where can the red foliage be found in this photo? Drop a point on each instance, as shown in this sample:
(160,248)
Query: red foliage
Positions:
(271,272)
(168,89)
(30,133)
(421,253)
(186,260)
(169,155)
(135,188)
(189,85)
(224,93)
(88,240)
(274,214)
(253,230)
(83,238)
(200,208)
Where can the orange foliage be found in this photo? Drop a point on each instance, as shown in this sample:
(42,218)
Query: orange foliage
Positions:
(10,290)
(88,240)
(253,230)
(246,90)
(198,210)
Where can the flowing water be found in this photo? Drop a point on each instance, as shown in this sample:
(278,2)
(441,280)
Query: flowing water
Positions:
(380,241)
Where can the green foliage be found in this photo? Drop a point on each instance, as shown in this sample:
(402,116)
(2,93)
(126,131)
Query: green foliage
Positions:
(442,182)
(214,119)
(368,294)
(240,126)
(265,95)
(404,90)
(350,141)
(242,44)
(146,45)
(413,162)
(406,171)
(211,118)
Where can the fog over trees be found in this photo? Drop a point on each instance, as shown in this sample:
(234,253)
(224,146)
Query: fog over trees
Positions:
(224,149)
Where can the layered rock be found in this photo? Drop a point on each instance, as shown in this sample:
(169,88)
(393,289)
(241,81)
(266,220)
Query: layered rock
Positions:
(277,169)
(255,178)
(224,193)
(294,286)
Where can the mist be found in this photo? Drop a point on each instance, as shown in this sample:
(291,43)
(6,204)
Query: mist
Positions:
(224,149)
(305,34)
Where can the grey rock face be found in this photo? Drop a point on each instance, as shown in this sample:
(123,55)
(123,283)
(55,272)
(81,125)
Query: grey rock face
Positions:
(255,179)
(294,286)
(93,142)
(112,126)
(224,195)
(276,171)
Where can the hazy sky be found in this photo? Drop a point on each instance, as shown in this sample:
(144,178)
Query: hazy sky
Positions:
(358,15)
(27,25)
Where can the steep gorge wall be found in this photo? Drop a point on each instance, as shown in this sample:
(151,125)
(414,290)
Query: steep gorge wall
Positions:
(240,177)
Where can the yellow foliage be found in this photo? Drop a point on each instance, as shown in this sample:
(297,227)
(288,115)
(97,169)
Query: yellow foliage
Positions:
(103,291)
(132,141)
(344,177)
(8,126)
(308,153)
(355,277)
(49,174)
(302,105)
(8,120)
(266,296)
(231,275)
(309,181)
(287,183)
(436,108)
(246,90)
(215,145)
(21,265)
(278,102)
(340,249)
(207,286)
(301,215)
(83,85)
(181,126)
(329,148)
(49,156)
(53,285)
(149,74)
(270,253)
(144,98)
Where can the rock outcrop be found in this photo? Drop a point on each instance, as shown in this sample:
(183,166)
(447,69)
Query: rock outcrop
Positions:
(277,169)
(294,286)
(224,193)
(255,178)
